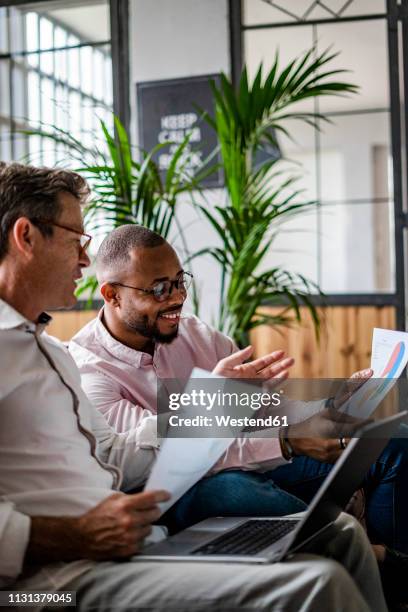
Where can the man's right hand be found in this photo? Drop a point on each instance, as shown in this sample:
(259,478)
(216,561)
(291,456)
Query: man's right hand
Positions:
(115,528)
(272,367)
(118,525)
(319,436)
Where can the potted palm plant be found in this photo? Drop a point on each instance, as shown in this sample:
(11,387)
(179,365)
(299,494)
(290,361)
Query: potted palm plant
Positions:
(258,197)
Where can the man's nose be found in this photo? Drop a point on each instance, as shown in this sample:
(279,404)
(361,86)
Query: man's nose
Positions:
(84,260)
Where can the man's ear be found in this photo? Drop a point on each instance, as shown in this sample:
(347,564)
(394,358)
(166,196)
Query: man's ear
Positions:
(110,294)
(23,236)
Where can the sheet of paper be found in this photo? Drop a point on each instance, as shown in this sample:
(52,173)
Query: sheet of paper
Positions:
(182,462)
(389,356)
(389,353)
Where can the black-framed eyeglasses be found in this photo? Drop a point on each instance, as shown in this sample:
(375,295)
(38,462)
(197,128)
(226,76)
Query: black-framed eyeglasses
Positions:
(85,239)
(162,290)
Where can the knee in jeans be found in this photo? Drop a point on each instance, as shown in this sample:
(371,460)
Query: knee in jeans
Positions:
(231,481)
(395,453)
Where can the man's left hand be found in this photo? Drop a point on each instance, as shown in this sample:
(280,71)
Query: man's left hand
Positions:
(349,387)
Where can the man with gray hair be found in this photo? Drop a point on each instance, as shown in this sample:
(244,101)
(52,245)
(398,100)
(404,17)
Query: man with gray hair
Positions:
(64,521)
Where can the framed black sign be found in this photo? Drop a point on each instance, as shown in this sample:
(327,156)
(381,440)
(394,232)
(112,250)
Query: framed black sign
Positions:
(167,112)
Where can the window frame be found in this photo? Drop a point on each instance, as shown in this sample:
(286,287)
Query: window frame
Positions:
(396,16)
(119,41)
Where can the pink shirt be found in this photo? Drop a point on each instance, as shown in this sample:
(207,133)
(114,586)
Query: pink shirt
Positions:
(122,382)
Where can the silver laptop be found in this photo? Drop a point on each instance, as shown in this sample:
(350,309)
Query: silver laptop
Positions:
(271,539)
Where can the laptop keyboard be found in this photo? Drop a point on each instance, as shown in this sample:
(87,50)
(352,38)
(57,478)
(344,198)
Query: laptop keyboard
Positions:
(248,538)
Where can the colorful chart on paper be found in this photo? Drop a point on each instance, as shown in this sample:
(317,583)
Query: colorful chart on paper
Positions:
(389,357)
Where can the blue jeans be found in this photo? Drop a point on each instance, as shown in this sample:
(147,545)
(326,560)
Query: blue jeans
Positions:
(231,493)
(385,485)
(289,488)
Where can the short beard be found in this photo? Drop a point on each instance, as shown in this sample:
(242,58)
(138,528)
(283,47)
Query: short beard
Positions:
(151,332)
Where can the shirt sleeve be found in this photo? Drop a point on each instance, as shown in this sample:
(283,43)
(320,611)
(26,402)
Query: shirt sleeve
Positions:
(14,537)
(133,451)
(120,413)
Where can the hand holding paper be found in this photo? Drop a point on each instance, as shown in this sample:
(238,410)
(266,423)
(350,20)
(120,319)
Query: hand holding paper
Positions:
(389,356)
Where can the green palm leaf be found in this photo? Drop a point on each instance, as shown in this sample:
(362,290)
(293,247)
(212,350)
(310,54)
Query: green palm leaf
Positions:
(261,199)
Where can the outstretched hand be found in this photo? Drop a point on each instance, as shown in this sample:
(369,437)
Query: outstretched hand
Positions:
(272,366)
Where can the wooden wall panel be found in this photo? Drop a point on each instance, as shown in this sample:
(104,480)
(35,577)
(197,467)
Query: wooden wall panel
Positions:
(344,347)
(345,340)
(64,325)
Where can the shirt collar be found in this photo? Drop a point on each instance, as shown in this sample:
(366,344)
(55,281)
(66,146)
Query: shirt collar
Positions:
(11,319)
(126,354)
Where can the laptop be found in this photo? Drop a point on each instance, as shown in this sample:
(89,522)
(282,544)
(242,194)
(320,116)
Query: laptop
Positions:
(272,539)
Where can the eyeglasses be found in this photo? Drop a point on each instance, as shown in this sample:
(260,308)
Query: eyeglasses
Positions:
(85,239)
(162,290)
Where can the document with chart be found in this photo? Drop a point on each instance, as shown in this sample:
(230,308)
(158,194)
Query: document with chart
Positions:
(389,356)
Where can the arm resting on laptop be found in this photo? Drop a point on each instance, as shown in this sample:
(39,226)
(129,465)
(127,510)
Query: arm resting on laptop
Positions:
(115,528)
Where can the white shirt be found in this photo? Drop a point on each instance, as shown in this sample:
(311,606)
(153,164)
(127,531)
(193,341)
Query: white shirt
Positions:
(58,455)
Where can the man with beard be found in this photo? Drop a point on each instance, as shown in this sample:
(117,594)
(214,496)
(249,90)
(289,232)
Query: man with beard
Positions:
(141,335)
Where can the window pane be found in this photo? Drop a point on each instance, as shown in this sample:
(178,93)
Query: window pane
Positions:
(73,64)
(48,152)
(357,248)
(358,166)
(363,52)
(47,62)
(20,146)
(60,56)
(88,118)
(99,75)
(47,101)
(4,88)
(46,34)
(19,95)
(57,85)
(299,151)
(61,107)
(34,112)
(89,21)
(108,81)
(75,114)
(261,12)
(365,7)
(32,42)
(295,248)
(4,46)
(261,47)
(16,25)
(346,166)
(86,69)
